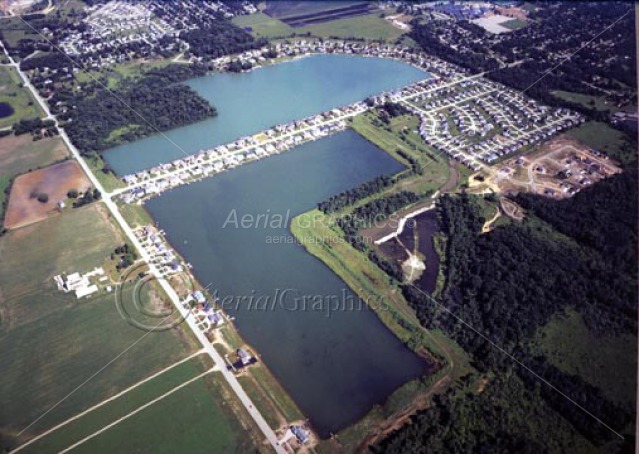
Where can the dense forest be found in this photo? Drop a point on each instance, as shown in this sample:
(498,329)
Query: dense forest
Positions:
(218,39)
(578,253)
(37,127)
(503,417)
(105,118)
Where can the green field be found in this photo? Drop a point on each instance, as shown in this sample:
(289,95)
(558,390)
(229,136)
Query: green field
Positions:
(20,99)
(401,135)
(112,75)
(369,27)
(263,26)
(108,180)
(14,29)
(50,342)
(193,420)
(514,24)
(596,102)
(135,215)
(95,420)
(602,137)
(570,346)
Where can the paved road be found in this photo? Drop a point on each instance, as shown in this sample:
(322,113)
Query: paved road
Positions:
(217,358)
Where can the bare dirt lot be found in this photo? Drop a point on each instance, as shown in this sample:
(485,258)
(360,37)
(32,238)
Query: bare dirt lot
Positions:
(558,168)
(55,181)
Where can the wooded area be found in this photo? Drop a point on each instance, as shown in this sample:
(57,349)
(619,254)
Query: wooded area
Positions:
(99,114)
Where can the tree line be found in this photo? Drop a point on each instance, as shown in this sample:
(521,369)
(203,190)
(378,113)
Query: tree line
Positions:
(342,200)
(374,211)
(156,97)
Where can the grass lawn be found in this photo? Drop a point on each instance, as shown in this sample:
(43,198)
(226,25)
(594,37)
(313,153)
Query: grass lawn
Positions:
(569,345)
(435,171)
(370,27)
(135,215)
(598,102)
(50,342)
(19,98)
(602,137)
(108,180)
(263,26)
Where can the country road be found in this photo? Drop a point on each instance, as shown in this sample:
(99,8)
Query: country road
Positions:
(106,199)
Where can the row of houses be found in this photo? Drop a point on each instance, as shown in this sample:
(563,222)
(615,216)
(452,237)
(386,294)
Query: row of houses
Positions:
(148,183)
(302,47)
(160,253)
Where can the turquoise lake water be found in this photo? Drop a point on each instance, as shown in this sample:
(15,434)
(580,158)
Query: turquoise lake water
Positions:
(251,102)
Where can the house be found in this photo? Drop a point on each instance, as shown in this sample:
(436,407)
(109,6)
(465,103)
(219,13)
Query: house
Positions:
(199,297)
(244,357)
(302,434)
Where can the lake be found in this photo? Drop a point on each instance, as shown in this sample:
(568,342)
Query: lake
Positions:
(254,101)
(335,364)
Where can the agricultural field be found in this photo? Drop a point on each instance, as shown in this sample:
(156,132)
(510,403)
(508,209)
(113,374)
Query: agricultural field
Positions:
(35,195)
(20,154)
(284,9)
(205,424)
(81,337)
(370,26)
(50,342)
(21,103)
(261,25)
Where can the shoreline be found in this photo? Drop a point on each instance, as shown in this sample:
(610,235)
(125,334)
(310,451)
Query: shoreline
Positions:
(407,218)
(215,333)
(403,334)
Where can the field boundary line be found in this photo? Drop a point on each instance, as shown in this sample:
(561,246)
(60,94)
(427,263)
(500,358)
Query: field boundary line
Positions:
(137,410)
(108,400)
